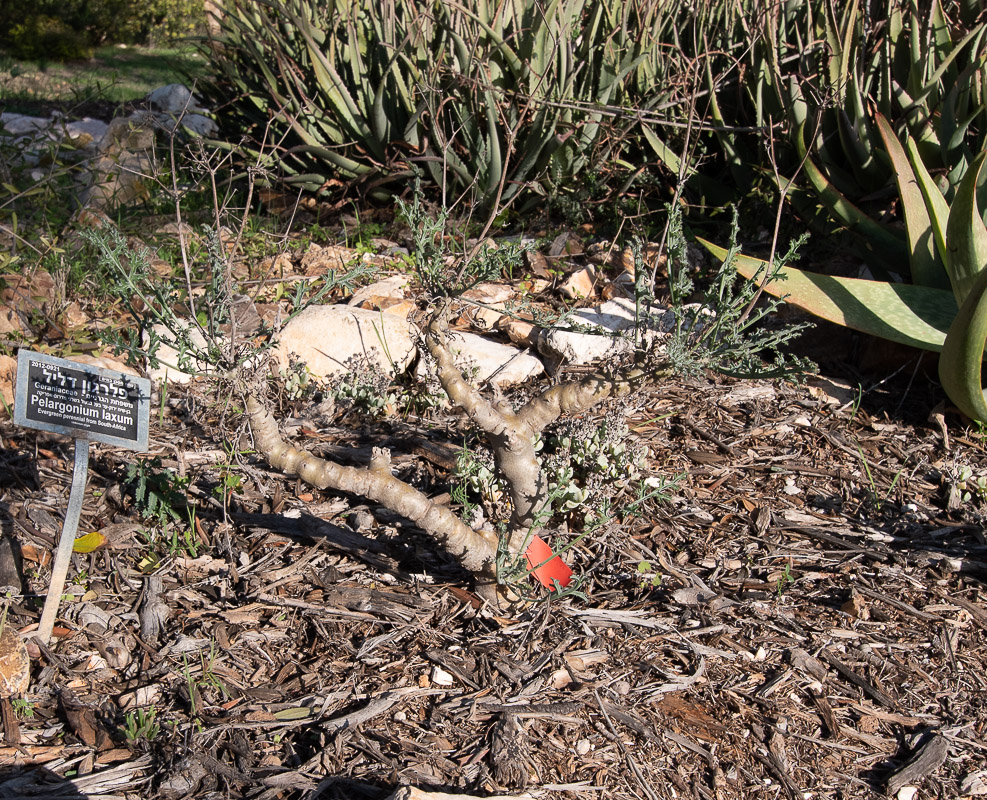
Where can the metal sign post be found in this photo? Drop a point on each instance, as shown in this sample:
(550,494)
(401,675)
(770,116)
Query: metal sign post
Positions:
(89,404)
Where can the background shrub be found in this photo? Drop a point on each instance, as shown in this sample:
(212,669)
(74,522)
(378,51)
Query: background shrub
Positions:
(69,29)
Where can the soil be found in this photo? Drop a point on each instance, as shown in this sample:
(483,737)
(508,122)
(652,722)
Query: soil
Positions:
(804,618)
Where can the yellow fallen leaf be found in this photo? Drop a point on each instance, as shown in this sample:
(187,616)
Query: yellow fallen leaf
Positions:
(293,713)
(89,542)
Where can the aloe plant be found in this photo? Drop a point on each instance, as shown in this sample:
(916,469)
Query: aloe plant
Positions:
(822,75)
(948,247)
(487,99)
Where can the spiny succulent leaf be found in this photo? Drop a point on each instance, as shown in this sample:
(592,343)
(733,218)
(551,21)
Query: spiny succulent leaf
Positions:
(918,316)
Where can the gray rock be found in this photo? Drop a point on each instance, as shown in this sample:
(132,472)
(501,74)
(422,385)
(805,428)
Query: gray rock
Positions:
(200,125)
(491,362)
(92,129)
(22,125)
(326,338)
(174,98)
(179,109)
(610,326)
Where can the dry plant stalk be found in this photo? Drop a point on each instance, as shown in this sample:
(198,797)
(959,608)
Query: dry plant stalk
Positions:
(510,434)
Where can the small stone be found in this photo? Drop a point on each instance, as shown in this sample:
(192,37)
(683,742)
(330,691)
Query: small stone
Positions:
(8,369)
(857,608)
(74,316)
(580,285)
(622,687)
(441,678)
(319,260)
(10,321)
(392,287)
(907,792)
(519,331)
(490,300)
(116,653)
(583,746)
(389,305)
(538,264)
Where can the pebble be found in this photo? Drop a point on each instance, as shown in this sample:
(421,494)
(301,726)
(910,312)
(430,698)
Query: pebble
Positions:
(441,678)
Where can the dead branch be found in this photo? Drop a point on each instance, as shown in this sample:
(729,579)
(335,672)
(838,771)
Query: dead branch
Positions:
(476,550)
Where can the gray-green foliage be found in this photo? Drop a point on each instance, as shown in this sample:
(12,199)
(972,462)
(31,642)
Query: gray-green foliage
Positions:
(587,463)
(441,272)
(364,388)
(731,329)
(197,326)
(159,494)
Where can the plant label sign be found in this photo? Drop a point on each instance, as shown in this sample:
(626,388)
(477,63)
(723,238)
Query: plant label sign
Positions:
(82,401)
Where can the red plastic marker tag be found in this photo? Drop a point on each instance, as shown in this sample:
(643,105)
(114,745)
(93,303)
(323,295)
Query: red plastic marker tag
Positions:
(545,565)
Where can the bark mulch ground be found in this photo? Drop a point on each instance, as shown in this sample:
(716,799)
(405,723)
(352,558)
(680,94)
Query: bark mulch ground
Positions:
(804,618)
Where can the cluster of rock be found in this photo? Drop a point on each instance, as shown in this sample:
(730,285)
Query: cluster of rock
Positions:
(373,326)
(116,156)
(493,334)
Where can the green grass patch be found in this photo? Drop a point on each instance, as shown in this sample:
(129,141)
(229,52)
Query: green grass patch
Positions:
(113,75)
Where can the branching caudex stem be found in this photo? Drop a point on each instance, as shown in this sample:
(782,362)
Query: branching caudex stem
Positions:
(511,435)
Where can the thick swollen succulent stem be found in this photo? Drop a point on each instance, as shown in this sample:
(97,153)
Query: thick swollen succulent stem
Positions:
(510,438)
(579,396)
(476,550)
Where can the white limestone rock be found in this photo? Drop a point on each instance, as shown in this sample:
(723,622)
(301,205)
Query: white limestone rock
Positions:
(583,347)
(391,287)
(325,338)
(168,370)
(604,340)
(175,98)
(486,361)
(179,106)
(490,300)
(22,125)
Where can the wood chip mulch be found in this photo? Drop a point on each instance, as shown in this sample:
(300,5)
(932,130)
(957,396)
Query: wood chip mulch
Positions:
(804,618)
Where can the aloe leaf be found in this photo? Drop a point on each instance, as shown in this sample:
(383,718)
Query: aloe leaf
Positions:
(858,140)
(966,236)
(926,269)
(888,247)
(935,80)
(918,316)
(961,361)
(935,204)
(665,154)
